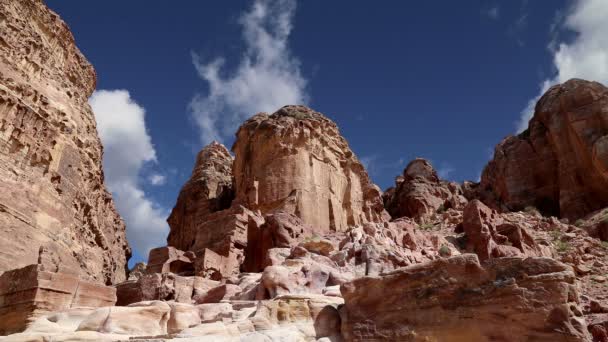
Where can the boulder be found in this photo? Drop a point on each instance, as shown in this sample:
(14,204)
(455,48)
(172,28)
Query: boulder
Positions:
(148,318)
(458,299)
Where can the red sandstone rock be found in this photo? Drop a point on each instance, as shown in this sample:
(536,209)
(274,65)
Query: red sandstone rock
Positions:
(559,163)
(419,193)
(208,190)
(490,236)
(52,192)
(171,260)
(31,291)
(296,161)
(457,299)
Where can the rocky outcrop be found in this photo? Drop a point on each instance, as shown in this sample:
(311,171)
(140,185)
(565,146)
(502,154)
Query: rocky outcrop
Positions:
(296,161)
(208,190)
(560,163)
(52,191)
(32,291)
(489,235)
(419,193)
(457,299)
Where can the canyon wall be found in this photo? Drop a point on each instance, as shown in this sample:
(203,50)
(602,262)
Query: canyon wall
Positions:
(52,193)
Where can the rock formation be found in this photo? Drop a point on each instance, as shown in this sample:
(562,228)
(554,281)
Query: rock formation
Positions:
(458,299)
(52,193)
(296,161)
(208,190)
(419,193)
(289,240)
(559,164)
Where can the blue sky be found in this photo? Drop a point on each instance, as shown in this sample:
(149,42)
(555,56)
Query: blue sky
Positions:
(443,80)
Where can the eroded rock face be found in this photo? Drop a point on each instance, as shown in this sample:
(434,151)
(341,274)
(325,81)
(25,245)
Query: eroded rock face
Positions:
(35,290)
(489,235)
(457,299)
(296,161)
(419,193)
(52,192)
(208,190)
(559,164)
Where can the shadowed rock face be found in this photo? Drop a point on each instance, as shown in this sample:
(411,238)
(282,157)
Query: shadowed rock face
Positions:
(51,190)
(295,160)
(208,190)
(560,163)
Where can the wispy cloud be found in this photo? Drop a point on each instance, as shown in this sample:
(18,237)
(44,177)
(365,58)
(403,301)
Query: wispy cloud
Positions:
(585,57)
(157,179)
(127,148)
(492,12)
(267,77)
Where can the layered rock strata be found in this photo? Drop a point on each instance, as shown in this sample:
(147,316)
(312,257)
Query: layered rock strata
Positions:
(32,291)
(52,192)
(457,299)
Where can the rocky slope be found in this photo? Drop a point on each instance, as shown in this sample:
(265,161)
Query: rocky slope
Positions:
(52,193)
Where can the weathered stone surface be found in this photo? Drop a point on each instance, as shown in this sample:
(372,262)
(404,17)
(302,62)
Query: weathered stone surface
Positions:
(295,160)
(419,193)
(559,164)
(170,260)
(30,292)
(457,299)
(208,190)
(144,318)
(52,192)
(490,236)
(157,286)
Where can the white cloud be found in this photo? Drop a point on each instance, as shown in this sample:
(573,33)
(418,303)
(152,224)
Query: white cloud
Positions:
(492,12)
(585,57)
(267,77)
(127,148)
(157,179)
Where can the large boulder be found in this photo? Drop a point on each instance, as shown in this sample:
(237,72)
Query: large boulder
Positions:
(296,161)
(143,318)
(457,299)
(52,190)
(560,163)
(419,193)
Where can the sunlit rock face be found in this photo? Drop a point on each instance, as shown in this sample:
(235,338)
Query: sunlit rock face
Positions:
(296,161)
(52,192)
(560,163)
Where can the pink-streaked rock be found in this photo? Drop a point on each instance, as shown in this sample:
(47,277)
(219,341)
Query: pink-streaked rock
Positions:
(29,292)
(458,299)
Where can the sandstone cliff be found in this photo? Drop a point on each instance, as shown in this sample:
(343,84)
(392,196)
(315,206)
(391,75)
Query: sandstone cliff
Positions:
(560,163)
(51,190)
(296,161)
